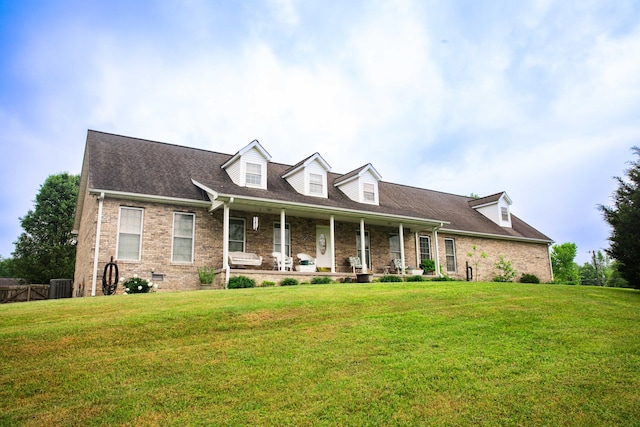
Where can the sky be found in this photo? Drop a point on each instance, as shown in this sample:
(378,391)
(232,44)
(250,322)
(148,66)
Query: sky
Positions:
(540,99)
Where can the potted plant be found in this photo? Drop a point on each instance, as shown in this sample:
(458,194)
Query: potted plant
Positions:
(428,265)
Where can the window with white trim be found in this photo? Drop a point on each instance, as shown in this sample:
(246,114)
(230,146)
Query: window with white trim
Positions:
(368,192)
(236,234)
(183,229)
(505,214)
(394,246)
(450,251)
(130,233)
(254,174)
(287,238)
(315,184)
(425,247)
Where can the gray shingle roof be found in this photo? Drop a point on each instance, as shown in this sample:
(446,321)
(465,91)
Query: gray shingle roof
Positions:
(132,165)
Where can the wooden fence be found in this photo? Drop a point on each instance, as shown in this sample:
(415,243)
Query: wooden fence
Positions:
(21,293)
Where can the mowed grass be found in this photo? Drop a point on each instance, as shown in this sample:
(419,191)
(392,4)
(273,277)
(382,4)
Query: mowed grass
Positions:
(443,353)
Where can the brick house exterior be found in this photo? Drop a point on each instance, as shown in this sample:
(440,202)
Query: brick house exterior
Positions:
(162,211)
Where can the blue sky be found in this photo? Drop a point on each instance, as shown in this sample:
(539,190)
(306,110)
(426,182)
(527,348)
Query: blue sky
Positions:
(540,99)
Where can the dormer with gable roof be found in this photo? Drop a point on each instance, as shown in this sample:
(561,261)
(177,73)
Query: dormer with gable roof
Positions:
(495,207)
(309,177)
(248,167)
(361,185)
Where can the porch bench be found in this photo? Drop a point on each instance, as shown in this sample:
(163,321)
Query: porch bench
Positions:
(244,259)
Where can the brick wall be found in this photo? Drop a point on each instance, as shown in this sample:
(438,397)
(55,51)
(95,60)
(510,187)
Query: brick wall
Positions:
(157,243)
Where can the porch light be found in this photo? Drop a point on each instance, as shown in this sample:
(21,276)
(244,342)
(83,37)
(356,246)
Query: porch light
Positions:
(255,223)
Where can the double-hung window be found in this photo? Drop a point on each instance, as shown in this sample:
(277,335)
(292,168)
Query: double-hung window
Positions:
(254,174)
(315,184)
(394,246)
(182,249)
(236,235)
(505,214)
(425,247)
(130,233)
(450,251)
(287,238)
(368,192)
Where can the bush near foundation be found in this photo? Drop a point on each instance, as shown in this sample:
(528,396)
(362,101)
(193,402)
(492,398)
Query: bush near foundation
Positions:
(239,282)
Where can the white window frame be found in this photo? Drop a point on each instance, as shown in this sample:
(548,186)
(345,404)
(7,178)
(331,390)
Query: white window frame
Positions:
(451,255)
(504,213)
(395,254)
(316,184)
(119,256)
(429,256)
(176,236)
(244,234)
(253,178)
(287,237)
(368,196)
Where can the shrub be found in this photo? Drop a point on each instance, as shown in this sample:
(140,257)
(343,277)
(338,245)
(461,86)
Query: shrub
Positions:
(289,281)
(136,285)
(529,278)
(443,278)
(428,265)
(414,279)
(206,275)
(391,278)
(506,269)
(268,283)
(239,282)
(321,280)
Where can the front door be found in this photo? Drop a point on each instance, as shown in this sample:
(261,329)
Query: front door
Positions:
(323,246)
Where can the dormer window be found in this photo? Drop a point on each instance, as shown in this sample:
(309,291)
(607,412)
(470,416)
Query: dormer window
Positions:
(309,177)
(316,184)
(247,168)
(368,192)
(254,175)
(494,207)
(505,214)
(360,185)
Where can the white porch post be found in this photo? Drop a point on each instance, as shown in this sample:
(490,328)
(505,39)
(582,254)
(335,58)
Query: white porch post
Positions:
(282,241)
(96,251)
(332,238)
(436,257)
(401,233)
(363,246)
(225,243)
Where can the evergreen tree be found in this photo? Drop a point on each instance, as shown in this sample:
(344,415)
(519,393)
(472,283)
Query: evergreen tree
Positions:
(47,249)
(624,219)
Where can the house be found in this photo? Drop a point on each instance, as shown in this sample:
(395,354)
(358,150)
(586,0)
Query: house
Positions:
(162,211)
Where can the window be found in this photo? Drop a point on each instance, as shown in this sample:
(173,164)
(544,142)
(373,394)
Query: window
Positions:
(254,174)
(368,192)
(130,234)
(367,248)
(315,184)
(505,214)
(450,250)
(394,246)
(425,247)
(236,235)
(287,238)
(182,250)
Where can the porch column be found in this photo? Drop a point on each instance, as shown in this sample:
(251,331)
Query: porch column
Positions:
(363,247)
(416,239)
(401,233)
(436,257)
(225,243)
(282,241)
(96,251)
(332,238)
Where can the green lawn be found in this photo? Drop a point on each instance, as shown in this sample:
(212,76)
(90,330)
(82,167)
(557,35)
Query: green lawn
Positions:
(445,353)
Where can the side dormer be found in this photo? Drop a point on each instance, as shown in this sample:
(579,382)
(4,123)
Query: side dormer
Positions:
(361,185)
(248,167)
(309,177)
(496,207)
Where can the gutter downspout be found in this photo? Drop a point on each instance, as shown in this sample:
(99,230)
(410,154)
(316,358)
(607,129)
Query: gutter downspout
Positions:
(96,251)
(550,265)
(332,235)
(225,244)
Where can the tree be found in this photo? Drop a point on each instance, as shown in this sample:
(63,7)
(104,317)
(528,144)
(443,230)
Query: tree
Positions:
(476,258)
(562,262)
(46,248)
(624,219)
(6,267)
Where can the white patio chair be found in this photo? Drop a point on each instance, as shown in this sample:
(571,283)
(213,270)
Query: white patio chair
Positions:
(277,261)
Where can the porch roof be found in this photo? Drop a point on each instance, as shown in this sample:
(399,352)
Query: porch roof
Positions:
(123,164)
